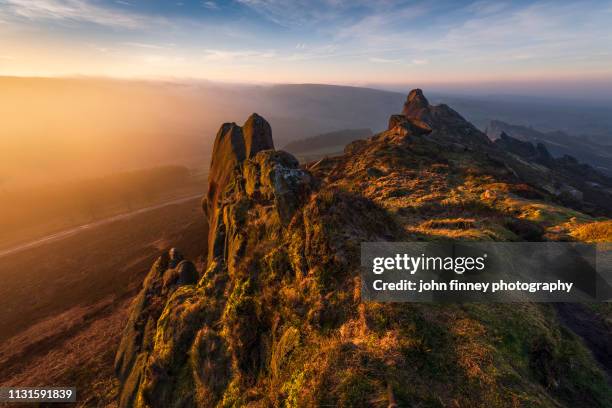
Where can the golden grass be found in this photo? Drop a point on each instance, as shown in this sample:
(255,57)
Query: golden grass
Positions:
(599,231)
(449,223)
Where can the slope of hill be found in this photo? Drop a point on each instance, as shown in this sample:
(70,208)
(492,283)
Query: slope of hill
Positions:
(331,143)
(575,184)
(593,119)
(326,140)
(559,144)
(275,318)
(68,332)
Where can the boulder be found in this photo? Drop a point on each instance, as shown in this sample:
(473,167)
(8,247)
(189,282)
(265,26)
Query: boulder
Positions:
(275,175)
(416,105)
(257,135)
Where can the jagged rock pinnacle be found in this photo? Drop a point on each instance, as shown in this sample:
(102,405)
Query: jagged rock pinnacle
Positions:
(257,135)
(244,167)
(233,145)
(443,124)
(416,104)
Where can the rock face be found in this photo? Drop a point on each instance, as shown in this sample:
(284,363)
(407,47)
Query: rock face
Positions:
(444,124)
(577,183)
(416,106)
(276,176)
(275,318)
(181,318)
(523,149)
(559,144)
(233,145)
(169,273)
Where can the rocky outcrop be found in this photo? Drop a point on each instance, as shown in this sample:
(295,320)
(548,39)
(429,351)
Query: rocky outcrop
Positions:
(232,146)
(576,184)
(447,126)
(275,317)
(187,330)
(246,167)
(559,144)
(526,150)
(510,144)
(408,126)
(417,106)
(168,274)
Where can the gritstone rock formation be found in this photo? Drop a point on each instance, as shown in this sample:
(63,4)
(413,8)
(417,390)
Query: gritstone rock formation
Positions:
(173,315)
(441,121)
(576,184)
(275,319)
(244,164)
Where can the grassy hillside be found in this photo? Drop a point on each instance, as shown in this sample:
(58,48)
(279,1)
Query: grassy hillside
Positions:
(276,316)
(69,331)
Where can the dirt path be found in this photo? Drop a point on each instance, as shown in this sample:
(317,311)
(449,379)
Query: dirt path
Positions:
(65,303)
(72,231)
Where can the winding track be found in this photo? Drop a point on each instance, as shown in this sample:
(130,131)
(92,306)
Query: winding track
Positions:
(75,230)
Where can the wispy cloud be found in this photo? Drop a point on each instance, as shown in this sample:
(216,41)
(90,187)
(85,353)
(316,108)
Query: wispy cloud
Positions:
(483,31)
(312,12)
(339,37)
(377,60)
(211,5)
(71,11)
(375,27)
(543,29)
(304,52)
(148,46)
(233,55)
(486,7)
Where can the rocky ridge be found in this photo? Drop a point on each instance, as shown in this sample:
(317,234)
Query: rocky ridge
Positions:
(583,147)
(576,183)
(275,317)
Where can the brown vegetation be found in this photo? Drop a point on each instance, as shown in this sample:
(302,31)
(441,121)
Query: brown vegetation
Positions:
(84,284)
(276,318)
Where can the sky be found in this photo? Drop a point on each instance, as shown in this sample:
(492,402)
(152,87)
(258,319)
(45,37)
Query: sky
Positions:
(382,42)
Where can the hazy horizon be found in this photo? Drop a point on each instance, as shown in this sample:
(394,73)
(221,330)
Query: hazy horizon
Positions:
(58,129)
(598,91)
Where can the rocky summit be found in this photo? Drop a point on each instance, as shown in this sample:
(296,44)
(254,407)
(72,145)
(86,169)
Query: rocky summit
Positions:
(275,318)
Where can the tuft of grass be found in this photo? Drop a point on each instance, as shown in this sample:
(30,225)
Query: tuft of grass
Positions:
(287,343)
(598,231)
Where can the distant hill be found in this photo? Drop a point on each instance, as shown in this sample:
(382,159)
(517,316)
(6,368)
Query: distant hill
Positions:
(327,140)
(89,127)
(576,117)
(558,143)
